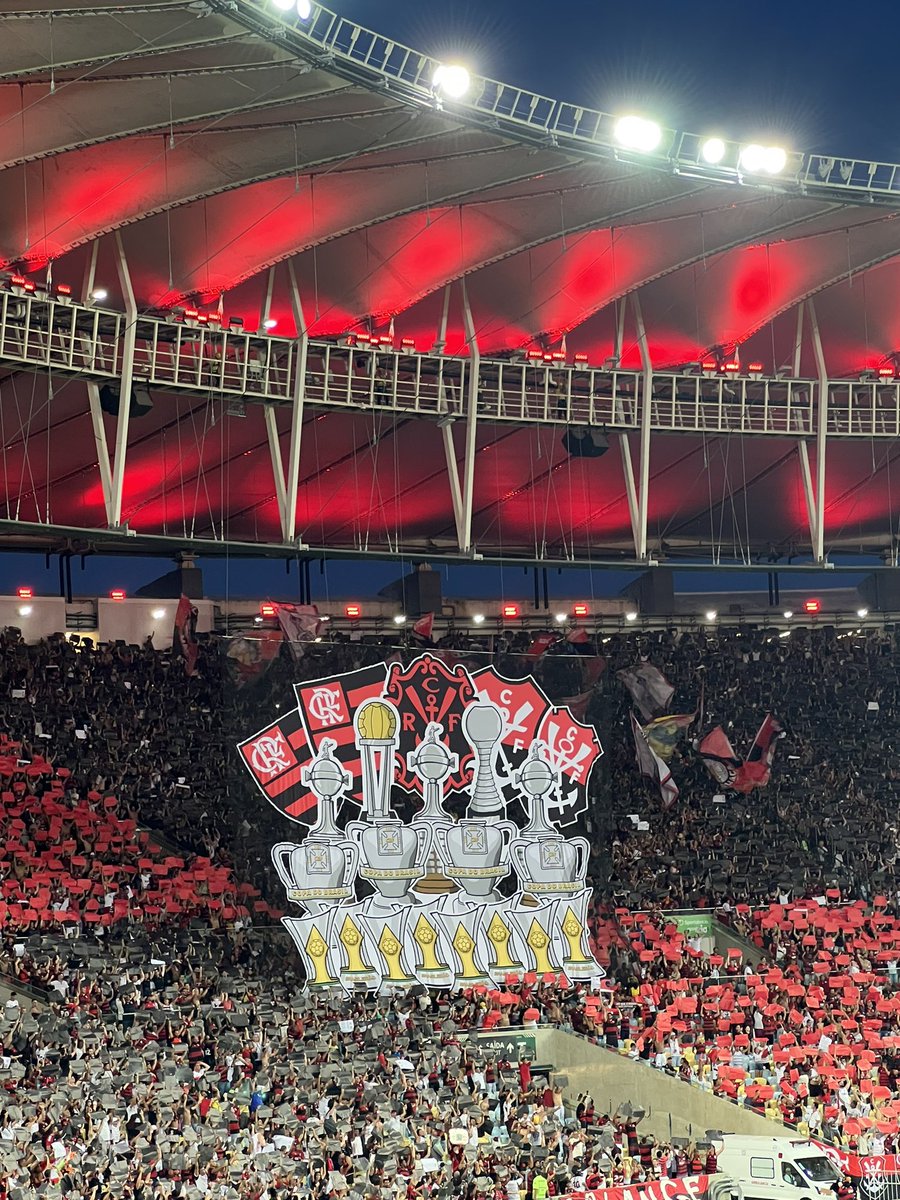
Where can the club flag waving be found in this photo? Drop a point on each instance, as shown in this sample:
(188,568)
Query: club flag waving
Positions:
(300,624)
(649,688)
(718,756)
(424,627)
(184,636)
(652,766)
(756,768)
(664,733)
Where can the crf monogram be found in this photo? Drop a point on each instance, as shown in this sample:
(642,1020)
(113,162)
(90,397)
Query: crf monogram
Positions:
(269,756)
(325,705)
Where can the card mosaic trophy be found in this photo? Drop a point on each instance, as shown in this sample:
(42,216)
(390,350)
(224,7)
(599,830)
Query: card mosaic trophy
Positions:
(388,904)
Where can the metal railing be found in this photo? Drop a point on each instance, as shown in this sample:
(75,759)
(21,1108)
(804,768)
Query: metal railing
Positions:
(40,332)
(351,50)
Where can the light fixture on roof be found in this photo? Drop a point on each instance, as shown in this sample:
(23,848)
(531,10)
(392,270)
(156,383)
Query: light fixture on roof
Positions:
(478,618)
(400,619)
(788,613)
(25,610)
(711,615)
(561,618)
(637,133)
(99,293)
(270,323)
(451,79)
(862,613)
(763,160)
(631,616)
(304,9)
(713,150)
(158,613)
(283,5)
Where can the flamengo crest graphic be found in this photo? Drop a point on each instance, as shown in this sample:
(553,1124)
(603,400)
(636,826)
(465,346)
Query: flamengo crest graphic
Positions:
(386,903)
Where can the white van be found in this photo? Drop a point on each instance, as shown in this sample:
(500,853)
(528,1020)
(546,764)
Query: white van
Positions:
(776,1168)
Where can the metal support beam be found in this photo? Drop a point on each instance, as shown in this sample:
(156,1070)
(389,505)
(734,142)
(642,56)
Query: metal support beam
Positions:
(468,485)
(646,414)
(619,345)
(93,390)
(821,432)
(630,492)
(287,483)
(440,342)
(266,307)
(446,427)
(126,379)
(809,495)
(90,274)
(798,342)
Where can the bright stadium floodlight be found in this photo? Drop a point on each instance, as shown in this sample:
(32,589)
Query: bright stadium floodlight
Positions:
(304,9)
(711,615)
(631,616)
(862,613)
(561,618)
(283,5)
(399,619)
(788,613)
(269,323)
(99,293)
(713,150)
(452,79)
(478,618)
(763,160)
(637,133)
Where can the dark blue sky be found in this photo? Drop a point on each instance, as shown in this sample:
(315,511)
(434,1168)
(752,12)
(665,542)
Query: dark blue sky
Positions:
(819,76)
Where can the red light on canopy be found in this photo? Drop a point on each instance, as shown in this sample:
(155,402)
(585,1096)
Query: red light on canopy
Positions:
(25,593)
(510,611)
(64,289)
(755,368)
(580,610)
(117,594)
(581,358)
(17,280)
(268,609)
(353,611)
(812,606)
(732,368)
(886,372)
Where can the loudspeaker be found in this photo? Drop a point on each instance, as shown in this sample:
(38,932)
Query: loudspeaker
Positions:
(653,592)
(141,401)
(880,591)
(582,442)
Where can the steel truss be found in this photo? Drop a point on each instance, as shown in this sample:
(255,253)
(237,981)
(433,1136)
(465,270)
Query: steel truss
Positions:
(128,349)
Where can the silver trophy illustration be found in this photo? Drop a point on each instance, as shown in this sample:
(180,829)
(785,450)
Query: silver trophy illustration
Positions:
(321,871)
(482,725)
(547,863)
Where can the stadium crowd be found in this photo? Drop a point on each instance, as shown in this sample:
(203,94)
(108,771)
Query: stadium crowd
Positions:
(170,1053)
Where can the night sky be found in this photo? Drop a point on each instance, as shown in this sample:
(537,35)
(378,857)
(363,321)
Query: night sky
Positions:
(816,76)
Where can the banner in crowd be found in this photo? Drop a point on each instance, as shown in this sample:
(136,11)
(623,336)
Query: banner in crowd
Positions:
(865,1166)
(652,766)
(688,1187)
(184,635)
(390,902)
(741,775)
(649,688)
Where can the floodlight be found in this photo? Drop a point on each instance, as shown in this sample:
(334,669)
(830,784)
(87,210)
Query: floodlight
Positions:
(788,613)
(99,293)
(862,612)
(270,323)
(711,615)
(452,79)
(478,618)
(631,616)
(400,619)
(158,613)
(561,618)
(283,5)
(763,160)
(713,150)
(304,9)
(637,133)
(24,610)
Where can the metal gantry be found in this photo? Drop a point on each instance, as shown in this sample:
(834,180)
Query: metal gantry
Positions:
(182,356)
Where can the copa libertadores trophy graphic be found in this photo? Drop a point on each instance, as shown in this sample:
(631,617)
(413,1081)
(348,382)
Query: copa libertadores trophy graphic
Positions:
(383,901)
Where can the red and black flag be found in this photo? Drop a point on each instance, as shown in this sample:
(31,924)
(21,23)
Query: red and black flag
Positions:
(275,757)
(756,768)
(184,636)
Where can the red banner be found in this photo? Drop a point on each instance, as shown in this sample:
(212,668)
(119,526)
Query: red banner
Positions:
(690,1187)
(861,1166)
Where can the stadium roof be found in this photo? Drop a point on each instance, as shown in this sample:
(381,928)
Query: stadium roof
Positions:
(214,154)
